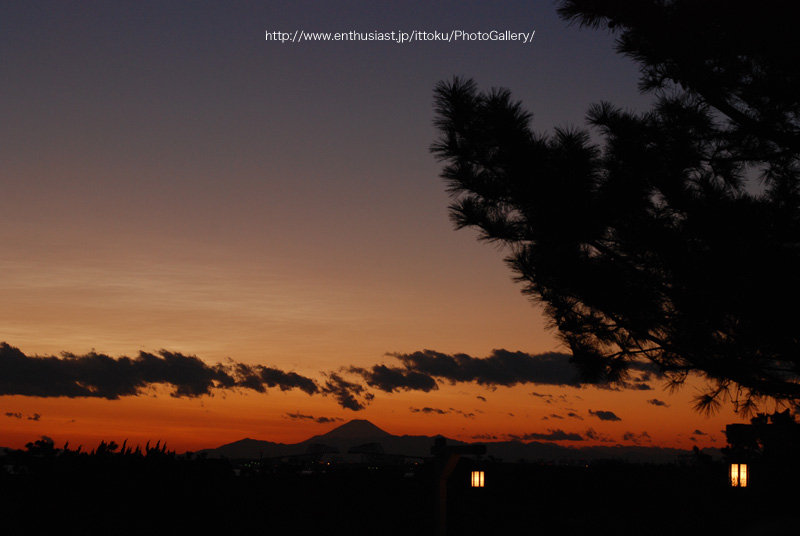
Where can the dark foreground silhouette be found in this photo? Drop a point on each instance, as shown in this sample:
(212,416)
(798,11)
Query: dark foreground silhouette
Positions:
(154,491)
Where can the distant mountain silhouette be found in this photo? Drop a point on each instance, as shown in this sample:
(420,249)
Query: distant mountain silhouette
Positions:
(356,429)
(252,449)
(344,437)
(359,432)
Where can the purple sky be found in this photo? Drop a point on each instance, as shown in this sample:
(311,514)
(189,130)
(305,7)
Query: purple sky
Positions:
(171,179)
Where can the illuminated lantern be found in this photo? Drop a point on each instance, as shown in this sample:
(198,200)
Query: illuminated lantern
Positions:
(739,475)
(477,479)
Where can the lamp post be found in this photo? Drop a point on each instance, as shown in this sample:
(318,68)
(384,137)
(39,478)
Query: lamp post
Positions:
(738,475)
(446,459)
(477,479)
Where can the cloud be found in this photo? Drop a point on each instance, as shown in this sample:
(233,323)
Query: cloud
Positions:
(346,393)
(604,415)
(637,385)
(657,402)
(551,399)
(319,420)
(501,368)
(101,376)
(597,436)
(438,411)
(637,439)
(638,374)
(424,370)
(548,399)
(272,377)
(391,379)
(550,435)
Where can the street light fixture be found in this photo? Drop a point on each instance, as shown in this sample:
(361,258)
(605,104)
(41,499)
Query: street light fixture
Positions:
(738,475)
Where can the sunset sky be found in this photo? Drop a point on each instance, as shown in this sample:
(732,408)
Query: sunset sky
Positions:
(270,217)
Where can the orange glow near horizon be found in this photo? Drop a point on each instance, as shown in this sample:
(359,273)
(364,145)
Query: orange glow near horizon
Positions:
(195,203)
(464,412)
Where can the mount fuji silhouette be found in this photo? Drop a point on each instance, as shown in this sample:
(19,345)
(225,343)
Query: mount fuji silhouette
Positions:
(344,437)
(360,432)
(357,429)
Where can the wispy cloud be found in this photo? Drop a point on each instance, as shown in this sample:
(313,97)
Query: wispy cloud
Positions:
(550,435)
(604,415)
(436,411)
(597,436)
(637,439)
(439,411)
(346,393)
(319,420)
(20,416)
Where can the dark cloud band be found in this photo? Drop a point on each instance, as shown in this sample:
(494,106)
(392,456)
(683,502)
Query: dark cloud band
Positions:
(100,376)
(421,371)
